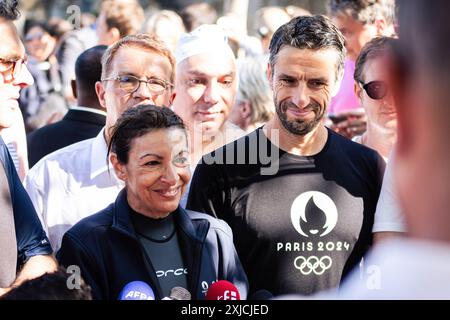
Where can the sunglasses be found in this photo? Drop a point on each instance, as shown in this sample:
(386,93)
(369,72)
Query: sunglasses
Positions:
(31,37)
(376,90)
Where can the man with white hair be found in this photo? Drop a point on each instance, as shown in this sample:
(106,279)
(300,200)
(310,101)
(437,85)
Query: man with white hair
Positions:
(205,90)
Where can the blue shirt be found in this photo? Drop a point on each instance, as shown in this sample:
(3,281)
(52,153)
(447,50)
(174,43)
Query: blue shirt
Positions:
(31,238)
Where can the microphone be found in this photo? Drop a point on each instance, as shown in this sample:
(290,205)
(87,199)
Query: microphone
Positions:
(222,290)
(137,290)
(262,294)
(178,293)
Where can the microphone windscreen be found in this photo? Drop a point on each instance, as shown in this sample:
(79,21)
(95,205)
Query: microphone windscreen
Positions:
(222,290)
(180,293)
(137,290)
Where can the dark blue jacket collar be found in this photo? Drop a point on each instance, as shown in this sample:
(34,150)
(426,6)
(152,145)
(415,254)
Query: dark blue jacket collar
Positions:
(191,234)
(122,221)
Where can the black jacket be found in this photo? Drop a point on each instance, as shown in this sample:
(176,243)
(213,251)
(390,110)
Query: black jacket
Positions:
(110,256)
(77,125)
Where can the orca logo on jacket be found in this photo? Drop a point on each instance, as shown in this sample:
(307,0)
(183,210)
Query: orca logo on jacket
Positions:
(171,272)
(313,213)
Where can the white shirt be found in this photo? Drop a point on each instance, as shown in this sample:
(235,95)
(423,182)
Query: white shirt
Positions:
(402,268)
(70,184)
(388,215)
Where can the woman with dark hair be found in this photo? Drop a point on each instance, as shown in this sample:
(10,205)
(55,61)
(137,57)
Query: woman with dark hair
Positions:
(42,103)
(145,237)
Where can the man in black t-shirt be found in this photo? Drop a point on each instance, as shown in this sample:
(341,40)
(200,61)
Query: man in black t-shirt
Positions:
(299,198)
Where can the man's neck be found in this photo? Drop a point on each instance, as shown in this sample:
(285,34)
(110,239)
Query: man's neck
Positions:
(307,145)
(380,140)
(106,136)
(201,145)
(89,103)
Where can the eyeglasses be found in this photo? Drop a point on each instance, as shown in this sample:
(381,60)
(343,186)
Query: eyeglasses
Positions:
(131,83)
(376,90)
(12,69)
(31,37)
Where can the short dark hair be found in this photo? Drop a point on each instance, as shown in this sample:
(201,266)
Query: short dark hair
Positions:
(45,26)
(371,50)
(137,121)
(364,11)
(8,9)
(88,68)
(197,14)
(50,286)
(309,32)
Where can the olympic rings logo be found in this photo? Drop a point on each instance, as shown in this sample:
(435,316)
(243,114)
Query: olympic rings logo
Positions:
(312,264)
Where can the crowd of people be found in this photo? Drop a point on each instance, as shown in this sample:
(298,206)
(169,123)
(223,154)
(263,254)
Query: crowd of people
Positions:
(175,150)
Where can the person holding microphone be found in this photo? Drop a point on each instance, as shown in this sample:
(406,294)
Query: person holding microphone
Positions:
(145,236)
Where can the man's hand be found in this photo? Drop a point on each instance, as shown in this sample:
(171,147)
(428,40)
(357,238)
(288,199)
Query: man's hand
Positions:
(4,290)
(350,123)
(35,267)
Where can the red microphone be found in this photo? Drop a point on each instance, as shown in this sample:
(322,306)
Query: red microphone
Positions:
(222,290)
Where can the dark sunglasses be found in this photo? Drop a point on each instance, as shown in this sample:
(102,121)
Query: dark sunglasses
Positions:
(376,90)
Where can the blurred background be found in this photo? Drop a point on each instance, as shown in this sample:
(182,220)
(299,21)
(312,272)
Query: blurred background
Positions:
(38,9)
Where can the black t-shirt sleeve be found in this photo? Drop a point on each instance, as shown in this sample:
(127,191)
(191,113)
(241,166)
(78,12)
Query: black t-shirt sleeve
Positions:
(74,253)
(208,193)
(30,236)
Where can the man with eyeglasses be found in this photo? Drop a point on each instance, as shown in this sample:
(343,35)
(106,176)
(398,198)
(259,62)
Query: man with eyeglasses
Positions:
(77,181)
(23,243)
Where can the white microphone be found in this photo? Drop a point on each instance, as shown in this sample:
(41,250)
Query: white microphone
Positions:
(178,293)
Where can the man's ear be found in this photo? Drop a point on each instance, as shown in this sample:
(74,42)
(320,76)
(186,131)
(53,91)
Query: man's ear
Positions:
(119,168)
(381,25)
(245,109)
(269,74)
(337,84)
(357,89)
(73,84)
(115,34)
(100,90)
(172,98)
